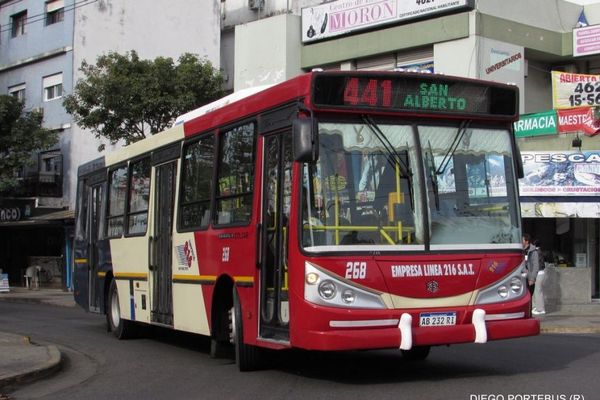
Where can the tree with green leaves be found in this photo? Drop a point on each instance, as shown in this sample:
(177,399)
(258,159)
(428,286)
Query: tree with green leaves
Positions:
(21,136)
(123,97)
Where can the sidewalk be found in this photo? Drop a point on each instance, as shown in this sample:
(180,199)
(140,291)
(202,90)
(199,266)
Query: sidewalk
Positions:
(22,360)
(55,297)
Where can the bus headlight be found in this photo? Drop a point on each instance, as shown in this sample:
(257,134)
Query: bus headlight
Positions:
(327,289)
(516,285)
(503,291)
(348,296)
(312,278)
(508,289)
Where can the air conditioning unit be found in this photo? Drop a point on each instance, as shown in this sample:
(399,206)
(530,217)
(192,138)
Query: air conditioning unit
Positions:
(256,4)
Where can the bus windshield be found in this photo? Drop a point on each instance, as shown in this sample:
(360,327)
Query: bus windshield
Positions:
(365,190)
(471,187)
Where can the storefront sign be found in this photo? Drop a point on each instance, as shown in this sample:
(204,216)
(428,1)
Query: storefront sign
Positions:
(586,41)
(426,67)
(575,90)
(560,210)
(578,120)
(503,62)
(344,16)
(568,173)
(10,214)
(506,61)
(544,123)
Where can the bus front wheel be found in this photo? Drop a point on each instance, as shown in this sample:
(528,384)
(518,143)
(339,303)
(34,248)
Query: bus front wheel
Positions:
(247,357)
(121,328)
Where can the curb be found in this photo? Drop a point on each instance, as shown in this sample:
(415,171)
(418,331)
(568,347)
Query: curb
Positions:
(28,300)
(50,366)
(569,330)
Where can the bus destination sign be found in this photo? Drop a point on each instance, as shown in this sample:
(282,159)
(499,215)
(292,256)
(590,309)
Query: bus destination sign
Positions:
(414,93)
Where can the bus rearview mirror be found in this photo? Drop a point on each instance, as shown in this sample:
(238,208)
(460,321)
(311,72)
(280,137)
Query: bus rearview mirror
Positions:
(305,140)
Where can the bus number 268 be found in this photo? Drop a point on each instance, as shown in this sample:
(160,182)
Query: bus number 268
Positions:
(356,270)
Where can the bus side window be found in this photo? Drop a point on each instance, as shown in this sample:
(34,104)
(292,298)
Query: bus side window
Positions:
(117,193)
(82,210)
(139,196)
(235,180)
(196,190)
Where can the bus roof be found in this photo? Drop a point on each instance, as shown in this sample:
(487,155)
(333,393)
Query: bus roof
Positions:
(249,102)
(220,103)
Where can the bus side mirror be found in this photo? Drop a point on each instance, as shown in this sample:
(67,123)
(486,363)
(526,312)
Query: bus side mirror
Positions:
(305,140)
(519,162)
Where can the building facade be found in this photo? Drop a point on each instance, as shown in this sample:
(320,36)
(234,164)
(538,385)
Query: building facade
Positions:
(261,42)
(36,66)
(42,45)
(513,41)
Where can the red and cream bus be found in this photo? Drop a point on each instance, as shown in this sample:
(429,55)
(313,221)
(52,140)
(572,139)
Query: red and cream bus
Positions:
(334,211)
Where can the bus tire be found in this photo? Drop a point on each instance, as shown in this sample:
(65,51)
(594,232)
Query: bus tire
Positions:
(219,349)
(247,357)
(417,353)
(121,328)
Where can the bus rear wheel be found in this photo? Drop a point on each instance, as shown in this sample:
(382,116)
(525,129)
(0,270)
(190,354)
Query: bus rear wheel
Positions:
(247,357)
(121,328)
(417,353)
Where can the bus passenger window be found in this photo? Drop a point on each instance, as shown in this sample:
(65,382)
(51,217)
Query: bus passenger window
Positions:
(116,202)
(235,176)
(82,210)
(198,158)
(139,197)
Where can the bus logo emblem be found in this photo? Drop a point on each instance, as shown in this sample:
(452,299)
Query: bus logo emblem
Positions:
(432,286)
(185,254)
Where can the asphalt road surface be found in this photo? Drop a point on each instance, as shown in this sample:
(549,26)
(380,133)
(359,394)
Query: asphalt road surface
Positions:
(168,365)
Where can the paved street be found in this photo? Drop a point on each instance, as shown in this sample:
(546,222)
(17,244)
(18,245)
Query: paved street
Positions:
(166,365)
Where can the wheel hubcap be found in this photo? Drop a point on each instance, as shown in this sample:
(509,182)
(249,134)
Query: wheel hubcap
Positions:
(115,313)
(233,326)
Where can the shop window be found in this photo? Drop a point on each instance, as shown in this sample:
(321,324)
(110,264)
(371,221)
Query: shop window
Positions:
(196,190)
(235,176)
(55,11)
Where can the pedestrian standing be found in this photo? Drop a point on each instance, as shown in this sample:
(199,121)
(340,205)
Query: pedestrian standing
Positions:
(532,262)
(539,307)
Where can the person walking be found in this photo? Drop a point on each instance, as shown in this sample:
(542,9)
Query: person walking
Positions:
(532,262)
(539,307)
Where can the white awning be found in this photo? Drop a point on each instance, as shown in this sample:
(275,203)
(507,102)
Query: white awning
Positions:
(54,5)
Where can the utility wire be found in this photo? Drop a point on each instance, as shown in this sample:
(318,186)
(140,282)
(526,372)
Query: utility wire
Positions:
(42,17)
(66,8)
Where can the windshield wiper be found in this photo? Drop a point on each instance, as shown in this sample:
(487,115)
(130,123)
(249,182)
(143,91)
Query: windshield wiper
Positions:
(392,155)
(459,134)
(433,175)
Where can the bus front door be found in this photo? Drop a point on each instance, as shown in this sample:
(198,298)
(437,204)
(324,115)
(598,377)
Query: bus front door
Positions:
(274,302)
(96,292)
(88,285)
(161,243)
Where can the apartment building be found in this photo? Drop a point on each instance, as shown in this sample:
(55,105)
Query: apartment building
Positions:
(42,45)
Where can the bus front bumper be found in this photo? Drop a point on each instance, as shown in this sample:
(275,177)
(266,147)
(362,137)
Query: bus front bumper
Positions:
(397,335)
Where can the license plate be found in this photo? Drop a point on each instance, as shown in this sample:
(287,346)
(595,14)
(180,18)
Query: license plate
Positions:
(437,319)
